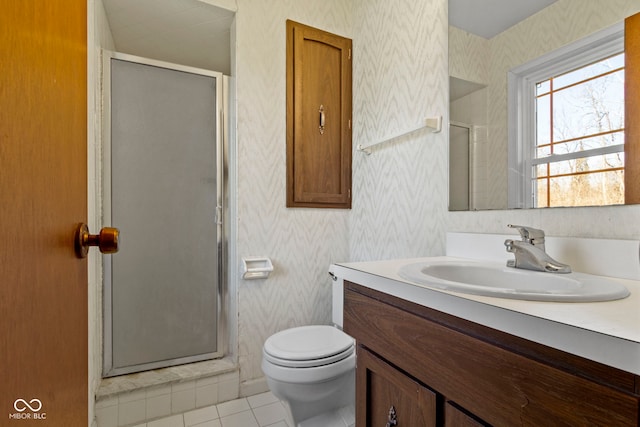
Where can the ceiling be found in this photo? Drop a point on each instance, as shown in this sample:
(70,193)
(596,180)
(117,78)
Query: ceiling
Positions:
(487,18)
(186,32)
(197,33)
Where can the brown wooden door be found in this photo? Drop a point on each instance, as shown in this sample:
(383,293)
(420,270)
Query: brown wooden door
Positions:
(318,118)
(43,195)
(385,396)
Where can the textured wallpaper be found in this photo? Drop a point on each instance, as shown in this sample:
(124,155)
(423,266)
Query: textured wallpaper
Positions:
(468,56)
(400,78)
(300,242)
(399,191)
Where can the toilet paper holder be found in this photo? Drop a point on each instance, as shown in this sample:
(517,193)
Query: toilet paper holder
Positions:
(256,268)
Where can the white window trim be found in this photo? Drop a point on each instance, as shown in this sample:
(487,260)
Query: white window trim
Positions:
(521,106)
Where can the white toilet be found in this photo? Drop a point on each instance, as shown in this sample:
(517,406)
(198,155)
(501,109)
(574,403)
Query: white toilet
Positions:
(312,368)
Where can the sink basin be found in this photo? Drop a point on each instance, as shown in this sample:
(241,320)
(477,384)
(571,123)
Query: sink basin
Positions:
(498,280)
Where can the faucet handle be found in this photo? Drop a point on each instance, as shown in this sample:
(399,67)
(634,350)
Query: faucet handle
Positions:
(530,234)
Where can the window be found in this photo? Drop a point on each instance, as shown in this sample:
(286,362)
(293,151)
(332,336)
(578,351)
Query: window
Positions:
(579,156)
(566,125)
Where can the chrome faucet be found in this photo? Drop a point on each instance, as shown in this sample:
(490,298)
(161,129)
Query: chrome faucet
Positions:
(530,253)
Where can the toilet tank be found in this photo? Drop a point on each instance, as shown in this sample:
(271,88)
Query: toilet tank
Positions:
(338,301)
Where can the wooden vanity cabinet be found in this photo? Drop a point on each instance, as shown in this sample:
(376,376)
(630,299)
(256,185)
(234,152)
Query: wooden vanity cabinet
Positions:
(435,369)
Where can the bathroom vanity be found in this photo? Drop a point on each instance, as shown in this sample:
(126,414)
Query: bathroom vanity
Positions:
(431,357)
(437,369)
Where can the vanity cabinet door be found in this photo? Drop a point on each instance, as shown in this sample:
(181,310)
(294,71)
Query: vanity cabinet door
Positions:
(455,417)
(386,397)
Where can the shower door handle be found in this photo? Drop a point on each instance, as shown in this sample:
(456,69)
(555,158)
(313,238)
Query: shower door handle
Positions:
(107,240)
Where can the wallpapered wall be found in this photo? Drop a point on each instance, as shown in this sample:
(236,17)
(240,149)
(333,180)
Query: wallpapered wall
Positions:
(400,78)
(399,191)
(468,56)
(301,242)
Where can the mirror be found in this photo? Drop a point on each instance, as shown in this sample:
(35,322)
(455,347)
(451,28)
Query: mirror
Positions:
(487,39)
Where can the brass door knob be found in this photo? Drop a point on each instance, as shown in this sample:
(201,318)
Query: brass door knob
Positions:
(106,241)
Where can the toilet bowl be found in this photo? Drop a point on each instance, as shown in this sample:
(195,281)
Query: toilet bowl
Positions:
(311,368)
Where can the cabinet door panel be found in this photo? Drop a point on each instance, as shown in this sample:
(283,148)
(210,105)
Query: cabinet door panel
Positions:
(454,417)
(391,398)
(318,118)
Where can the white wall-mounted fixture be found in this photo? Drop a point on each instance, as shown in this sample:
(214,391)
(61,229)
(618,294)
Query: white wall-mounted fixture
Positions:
(433,123)
(256,268)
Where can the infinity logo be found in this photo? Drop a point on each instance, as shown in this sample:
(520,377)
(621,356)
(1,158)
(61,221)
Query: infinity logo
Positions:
(21,405)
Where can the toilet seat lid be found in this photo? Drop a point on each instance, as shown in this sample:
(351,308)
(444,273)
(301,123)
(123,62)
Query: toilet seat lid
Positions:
(307,343)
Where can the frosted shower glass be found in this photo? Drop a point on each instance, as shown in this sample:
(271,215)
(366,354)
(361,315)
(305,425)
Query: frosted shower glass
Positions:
(164,290)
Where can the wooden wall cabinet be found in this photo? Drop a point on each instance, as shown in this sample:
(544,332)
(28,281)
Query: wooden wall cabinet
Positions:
(439,370)
(318,118)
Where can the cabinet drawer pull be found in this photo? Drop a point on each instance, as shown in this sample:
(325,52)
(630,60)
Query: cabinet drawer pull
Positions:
(392,419)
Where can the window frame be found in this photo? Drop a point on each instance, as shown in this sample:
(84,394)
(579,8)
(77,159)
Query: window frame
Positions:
(521,120)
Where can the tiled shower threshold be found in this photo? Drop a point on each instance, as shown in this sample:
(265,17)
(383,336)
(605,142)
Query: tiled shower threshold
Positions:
(145,396)
(164,376)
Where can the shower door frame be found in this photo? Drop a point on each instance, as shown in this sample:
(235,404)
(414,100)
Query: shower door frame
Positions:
(470,160)
(222,103)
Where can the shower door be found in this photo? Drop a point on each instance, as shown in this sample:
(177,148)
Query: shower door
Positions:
(459,167)
(163,189)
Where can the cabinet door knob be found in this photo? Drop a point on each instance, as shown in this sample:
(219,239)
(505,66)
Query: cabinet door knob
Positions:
(107,240)
(392,419)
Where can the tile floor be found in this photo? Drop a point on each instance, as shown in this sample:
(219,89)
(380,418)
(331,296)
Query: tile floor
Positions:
(261,410)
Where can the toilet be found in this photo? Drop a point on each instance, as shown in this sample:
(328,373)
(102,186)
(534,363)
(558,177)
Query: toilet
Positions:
(312,368)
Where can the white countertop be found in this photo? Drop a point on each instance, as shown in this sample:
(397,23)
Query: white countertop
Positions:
(606,332)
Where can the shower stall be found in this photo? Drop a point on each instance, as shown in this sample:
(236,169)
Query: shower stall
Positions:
(163,187)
